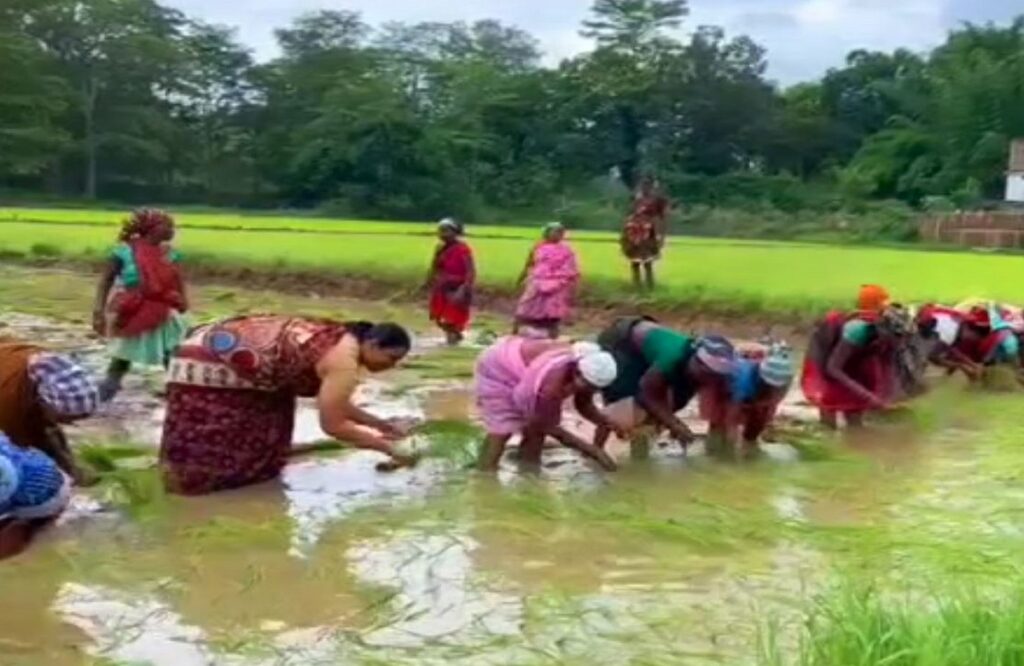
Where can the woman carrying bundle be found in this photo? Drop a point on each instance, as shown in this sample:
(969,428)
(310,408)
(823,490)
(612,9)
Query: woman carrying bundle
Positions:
(232,390)
(759,383)
(450,281)
(141,298)
(660,372)
(521,385)
(551,276)
(851,363)
(643,236)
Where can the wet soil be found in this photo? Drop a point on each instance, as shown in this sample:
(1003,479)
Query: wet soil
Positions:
(592,313)
(677,558)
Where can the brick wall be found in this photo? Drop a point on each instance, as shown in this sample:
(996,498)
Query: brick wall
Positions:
(976,229)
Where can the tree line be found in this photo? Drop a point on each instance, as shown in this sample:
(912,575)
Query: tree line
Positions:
(133,101)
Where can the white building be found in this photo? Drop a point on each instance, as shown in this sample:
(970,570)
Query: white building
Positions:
(1015,175)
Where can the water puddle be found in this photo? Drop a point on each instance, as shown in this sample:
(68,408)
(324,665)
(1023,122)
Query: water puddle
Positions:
(675,559)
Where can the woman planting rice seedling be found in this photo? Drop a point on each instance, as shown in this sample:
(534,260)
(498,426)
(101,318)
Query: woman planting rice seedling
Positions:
(952,337)
(551,276)
(660,371)
(851,363)
(643,237)
(232,390)
(521,386)
(143,315)
(450,281)
(33,491)
(40,391)
(758,384)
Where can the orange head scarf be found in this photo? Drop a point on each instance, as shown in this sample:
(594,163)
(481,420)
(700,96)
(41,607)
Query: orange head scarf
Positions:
(872,298)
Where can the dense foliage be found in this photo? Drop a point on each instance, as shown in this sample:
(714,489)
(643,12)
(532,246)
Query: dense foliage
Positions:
(133,101)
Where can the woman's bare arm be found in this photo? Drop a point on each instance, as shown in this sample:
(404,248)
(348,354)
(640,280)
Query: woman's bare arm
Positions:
(106,283)
(656,397)
(836,369)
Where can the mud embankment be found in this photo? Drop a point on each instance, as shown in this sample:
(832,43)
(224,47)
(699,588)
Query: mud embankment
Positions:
(593,312)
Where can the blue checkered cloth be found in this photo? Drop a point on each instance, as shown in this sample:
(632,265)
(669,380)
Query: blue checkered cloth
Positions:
(64,385)
(28,478)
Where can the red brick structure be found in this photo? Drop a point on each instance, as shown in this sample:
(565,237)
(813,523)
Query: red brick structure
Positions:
(990,229)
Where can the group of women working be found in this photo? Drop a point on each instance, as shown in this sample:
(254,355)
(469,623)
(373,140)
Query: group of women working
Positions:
(232,385)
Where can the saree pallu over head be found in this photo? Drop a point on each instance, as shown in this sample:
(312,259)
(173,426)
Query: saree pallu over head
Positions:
(152,289)
(551,284)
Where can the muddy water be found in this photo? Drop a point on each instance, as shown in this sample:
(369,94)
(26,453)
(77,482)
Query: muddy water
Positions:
(675,559)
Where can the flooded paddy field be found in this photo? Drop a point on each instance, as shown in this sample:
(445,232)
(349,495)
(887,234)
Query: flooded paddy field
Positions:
(675,559)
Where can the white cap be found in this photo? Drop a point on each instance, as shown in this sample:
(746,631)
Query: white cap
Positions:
(596,366)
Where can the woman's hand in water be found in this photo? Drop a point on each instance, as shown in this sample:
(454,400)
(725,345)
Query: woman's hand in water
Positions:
(683,435)
(397,462)
(99,323)
(397,428)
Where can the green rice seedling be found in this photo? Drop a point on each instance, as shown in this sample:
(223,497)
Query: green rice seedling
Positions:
(44,250)
(454,441)
(107,458)
(952,626)
(795,279)
(140,493)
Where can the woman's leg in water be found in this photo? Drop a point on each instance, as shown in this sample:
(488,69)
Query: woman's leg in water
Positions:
(649,274)
(854,419)
(491,452)
(116,372)
(635,267)
(829,419)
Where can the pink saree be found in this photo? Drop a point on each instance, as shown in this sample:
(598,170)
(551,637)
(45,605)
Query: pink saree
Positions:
(507,388)
(551,284)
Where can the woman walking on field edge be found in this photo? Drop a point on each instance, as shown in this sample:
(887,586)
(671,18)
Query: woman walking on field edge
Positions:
(232,389)
(143,315)
(551,275)
(643,237)
(450,281)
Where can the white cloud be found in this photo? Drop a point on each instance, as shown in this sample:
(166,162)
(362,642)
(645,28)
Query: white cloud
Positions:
(803,37)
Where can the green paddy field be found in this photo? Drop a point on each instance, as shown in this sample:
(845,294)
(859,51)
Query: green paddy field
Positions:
(720,275)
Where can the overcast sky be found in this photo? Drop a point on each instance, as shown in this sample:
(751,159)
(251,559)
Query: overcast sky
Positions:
(803,37)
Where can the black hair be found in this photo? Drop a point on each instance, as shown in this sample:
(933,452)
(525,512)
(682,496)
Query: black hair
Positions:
(386,336)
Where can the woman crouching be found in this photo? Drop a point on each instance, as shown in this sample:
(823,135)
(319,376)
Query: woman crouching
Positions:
(232,390)
(33,492)
(521,386)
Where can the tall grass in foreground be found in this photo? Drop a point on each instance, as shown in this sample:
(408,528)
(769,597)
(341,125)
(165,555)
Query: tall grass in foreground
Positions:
(861,627)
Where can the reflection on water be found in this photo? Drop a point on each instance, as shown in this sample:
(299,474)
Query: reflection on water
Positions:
(675,559)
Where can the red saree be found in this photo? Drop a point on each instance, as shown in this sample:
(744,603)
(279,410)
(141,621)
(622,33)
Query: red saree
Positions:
(146,306)
(453,267)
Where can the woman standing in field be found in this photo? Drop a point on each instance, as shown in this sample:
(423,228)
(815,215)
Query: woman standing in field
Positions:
(643,236)
(850,367)
(521,386)
(450,282)
(232,390)
(551,275)
(144,314)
